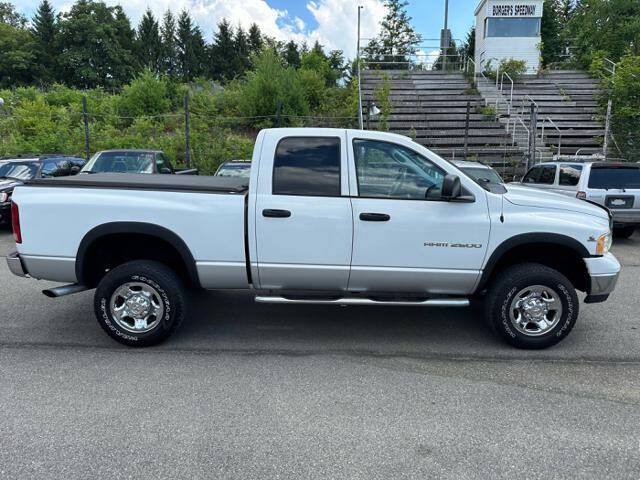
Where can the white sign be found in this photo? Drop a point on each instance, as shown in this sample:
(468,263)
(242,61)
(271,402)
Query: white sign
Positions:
(511,10)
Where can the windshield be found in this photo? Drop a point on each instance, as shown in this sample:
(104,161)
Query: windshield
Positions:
(234,171)
(18,170)
(614,177)
(482,174)
(120,162)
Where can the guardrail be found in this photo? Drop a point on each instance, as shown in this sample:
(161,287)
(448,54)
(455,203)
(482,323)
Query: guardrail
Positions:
(554,126)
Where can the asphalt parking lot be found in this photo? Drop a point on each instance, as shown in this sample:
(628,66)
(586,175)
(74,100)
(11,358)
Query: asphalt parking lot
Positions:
(262,391)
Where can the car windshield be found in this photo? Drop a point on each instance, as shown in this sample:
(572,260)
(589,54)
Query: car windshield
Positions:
(614,177)
(18,170)
(234,170)
(482,174)
(120,162)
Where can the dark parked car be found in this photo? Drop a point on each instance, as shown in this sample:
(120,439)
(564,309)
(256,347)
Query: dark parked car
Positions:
(16,171)
(132,161)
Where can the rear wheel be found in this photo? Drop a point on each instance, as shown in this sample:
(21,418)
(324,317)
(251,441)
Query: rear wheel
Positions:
(623,232)
(531,306)
(140,303)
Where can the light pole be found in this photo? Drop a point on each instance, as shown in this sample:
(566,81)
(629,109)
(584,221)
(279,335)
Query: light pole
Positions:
(445,41)
(360,121)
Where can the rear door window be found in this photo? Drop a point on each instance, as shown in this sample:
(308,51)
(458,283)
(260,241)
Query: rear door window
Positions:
(570,175)
(615,177)
(307,166)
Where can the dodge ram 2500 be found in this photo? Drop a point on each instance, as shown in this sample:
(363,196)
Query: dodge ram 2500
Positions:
(344,217)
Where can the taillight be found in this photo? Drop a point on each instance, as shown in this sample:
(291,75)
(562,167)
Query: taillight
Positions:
(15,222)
(581,195)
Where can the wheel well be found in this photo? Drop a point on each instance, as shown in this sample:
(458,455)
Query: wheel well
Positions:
(111,250)
(562,258)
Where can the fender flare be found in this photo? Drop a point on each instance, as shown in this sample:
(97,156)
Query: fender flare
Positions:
(526,238)
(142,228)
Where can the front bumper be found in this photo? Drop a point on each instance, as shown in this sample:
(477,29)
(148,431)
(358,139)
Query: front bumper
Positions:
(15,265)
(603,277)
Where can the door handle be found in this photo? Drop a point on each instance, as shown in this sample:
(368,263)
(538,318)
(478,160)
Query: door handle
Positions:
(275,213)
(374,217)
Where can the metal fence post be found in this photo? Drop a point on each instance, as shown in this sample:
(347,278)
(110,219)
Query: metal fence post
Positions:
(533,133)
(466,130)
(85,114)
(187,136)
(368,114)
(279,114)
(607,126)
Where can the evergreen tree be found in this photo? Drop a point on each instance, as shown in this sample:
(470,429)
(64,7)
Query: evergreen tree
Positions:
(191,49)
(241,47)
(44,31)
(169,45)
(468,48)
(550,27)
(255,39)
(292,55)
(222,55)
(397,38)
(149,44)
(17,60)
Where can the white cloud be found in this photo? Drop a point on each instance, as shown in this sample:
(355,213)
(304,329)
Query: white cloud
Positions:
(336,19)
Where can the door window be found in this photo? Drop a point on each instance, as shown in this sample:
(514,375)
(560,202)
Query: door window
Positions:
(388,170)
(570,175)
(307,166)
(544,174)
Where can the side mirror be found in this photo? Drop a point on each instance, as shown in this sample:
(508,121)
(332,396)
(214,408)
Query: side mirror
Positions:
(451,187)
(165,170)
(517,178)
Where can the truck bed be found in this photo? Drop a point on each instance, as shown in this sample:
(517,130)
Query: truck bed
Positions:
(143,181)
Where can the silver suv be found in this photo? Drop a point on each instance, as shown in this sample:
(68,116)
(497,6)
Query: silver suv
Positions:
(614,185)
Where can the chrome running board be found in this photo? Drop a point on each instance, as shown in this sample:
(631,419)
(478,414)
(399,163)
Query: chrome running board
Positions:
(432,302)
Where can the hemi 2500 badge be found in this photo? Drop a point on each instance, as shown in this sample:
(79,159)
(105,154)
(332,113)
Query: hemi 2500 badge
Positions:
(452,245)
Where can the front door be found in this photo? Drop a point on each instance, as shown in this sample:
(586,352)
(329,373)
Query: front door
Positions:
(406,239)
(304,223)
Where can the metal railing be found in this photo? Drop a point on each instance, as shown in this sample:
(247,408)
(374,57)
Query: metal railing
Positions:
(502,85)
(547,119)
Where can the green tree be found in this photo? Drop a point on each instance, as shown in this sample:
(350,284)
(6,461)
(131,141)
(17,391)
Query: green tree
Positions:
(169,46)
(190,47)
(550,27)
(292,55)
(45,33)
(610,26)
(222,55)
(468,48)
(10,16)
(255,39)
(241,62)
(269,84)
(18,57)
(149,43)
(97,46)
(397,39)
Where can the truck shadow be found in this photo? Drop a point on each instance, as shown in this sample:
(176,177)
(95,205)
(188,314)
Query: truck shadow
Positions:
(232,320)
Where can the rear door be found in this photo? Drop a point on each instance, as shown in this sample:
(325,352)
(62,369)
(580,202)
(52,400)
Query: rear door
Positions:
(304,224)
(406,239)
(568,179)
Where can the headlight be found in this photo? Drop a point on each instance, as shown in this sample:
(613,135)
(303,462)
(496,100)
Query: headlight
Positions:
(4,196)
(603,244)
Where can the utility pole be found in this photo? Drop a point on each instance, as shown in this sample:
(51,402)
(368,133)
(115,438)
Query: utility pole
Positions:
(445,47)
(360,121)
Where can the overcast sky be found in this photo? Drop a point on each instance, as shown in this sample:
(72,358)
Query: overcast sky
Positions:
(332,22)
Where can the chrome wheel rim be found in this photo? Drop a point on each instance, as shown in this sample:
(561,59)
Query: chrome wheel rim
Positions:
(136,307)
(535,310)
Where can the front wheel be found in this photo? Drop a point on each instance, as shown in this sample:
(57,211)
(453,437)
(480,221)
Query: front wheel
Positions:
(531,306)
(140,303)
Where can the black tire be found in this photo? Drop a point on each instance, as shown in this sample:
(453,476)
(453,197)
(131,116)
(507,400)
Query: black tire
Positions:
(513,280)
(623,232)
(161,279)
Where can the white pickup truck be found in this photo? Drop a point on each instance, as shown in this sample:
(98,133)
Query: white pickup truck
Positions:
(344,217)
